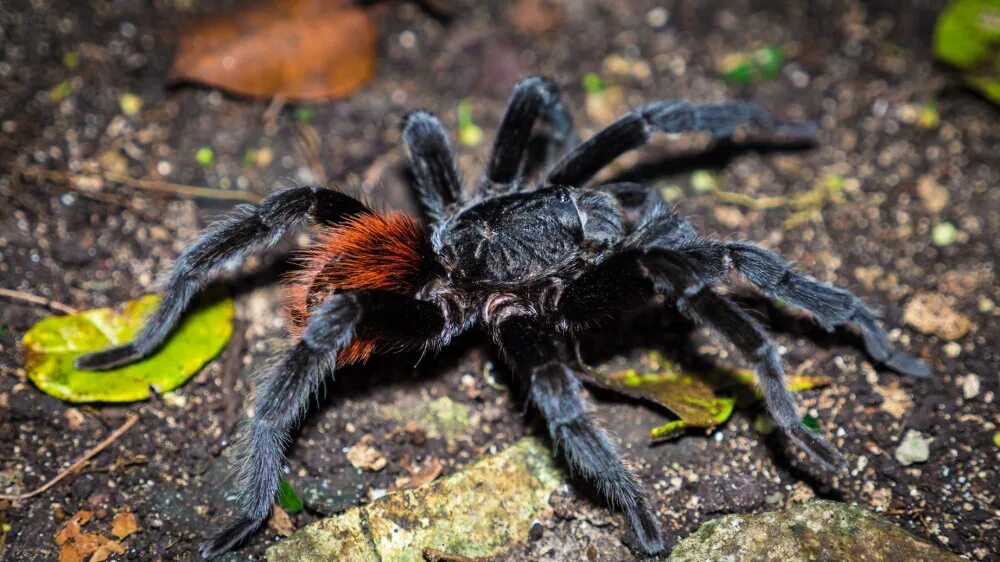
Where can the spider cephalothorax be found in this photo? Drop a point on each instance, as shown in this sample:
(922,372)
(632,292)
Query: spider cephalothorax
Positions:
(530,263)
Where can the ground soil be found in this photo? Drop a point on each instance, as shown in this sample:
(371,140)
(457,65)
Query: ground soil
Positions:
(860,69)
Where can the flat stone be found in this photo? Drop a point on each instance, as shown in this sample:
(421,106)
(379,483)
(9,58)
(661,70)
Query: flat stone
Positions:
(441,417)
(479,511)
(817,530)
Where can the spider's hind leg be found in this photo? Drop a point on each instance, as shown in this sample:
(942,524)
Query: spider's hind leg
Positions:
(829,306)
(587,447)
(246,228)
(632,276)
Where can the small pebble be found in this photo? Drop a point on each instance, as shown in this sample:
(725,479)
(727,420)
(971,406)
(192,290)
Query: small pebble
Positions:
(914,448)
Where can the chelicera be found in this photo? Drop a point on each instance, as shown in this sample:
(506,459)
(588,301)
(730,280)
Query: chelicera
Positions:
(532,263)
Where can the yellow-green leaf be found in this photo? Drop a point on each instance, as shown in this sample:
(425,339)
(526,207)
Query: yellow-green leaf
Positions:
(54,343)
(690,396)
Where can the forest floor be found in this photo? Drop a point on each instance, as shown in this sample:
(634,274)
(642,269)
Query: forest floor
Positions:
(906,148)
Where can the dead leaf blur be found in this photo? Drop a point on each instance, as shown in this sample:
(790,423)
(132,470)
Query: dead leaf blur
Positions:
(300,49)
(280,522)
(537,17)
(362,455)
(420,475)
(124,524)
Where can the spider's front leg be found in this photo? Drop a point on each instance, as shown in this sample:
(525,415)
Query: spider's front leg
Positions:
(284,390)
(534,99)
(539,358)
(247,228)
(633,276)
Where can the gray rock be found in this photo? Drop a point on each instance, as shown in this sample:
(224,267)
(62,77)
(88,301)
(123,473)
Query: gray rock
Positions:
(816,531)
(479,511)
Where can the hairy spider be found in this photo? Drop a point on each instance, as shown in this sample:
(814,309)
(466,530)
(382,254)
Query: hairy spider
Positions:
(532,264)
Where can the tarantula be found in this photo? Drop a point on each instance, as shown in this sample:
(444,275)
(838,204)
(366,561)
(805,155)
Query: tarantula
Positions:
(531,263)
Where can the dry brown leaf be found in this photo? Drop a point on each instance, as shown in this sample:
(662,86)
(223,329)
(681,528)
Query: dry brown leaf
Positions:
(106,550)
(124,524)
(931,314)
(364,456)
(420,476)
(71,529)
(280,522)
(537,17)
(300,49)
(68,553)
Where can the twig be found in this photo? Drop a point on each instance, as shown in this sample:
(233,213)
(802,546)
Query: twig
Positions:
(35,299)
(132,418)
(71,179)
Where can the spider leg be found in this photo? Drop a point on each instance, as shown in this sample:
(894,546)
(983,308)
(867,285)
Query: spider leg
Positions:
(433,162)
(247,228)
(830,306)
(586,446)
(666,116)
(284,390)
(534,99)
(635,275)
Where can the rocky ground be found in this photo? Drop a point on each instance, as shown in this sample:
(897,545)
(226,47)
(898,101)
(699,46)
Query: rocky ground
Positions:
(902,152)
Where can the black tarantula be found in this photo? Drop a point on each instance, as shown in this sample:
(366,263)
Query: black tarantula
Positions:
(530,263)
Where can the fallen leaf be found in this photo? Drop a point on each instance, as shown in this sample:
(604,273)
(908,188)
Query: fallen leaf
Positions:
(537,17)
(420,476)
(54,343)
(287,498)
(753,66)
(966,36)
(931,314)
(106,550)
(124,524)
(932,194)
(364,456)
(280,522)
(692,397)
(300,49)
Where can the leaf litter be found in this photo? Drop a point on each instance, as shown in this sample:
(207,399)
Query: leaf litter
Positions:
(691,396)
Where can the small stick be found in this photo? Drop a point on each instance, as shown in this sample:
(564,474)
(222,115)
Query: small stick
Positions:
(35,299)
(70,178)
(132,418)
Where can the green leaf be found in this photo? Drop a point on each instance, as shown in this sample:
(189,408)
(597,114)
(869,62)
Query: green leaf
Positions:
(469,133)
(753,66)
(967,35)
(690,396)
(810,423)
(304,115)
(54,343)
(287,498)
(593,83)
(205,156)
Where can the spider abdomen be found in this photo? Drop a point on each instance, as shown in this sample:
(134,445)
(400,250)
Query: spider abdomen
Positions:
(381,251)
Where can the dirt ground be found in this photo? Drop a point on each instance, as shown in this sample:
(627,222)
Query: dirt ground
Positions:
(861,69)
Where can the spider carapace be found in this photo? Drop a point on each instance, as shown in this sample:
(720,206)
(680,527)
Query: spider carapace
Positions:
(531,262)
